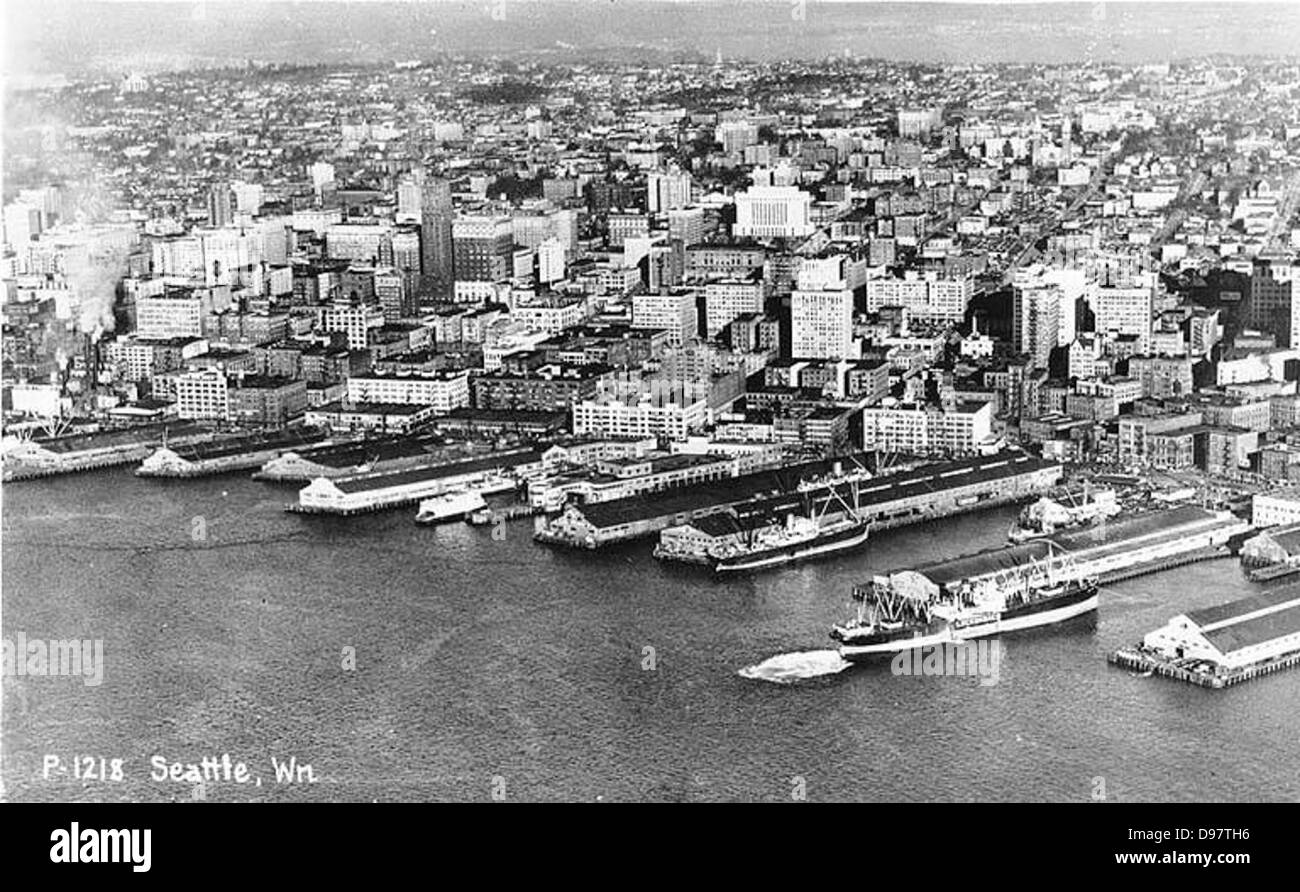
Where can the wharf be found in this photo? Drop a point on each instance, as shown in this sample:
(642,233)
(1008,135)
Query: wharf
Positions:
(1137,660)
(1169,563)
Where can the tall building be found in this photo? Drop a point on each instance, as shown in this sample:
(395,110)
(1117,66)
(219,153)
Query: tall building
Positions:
(672,311)
(1271,308)
(736,135)
(437,264)
(1125,311)
(550,261)
(406,258)
(409,197)
(482,248)
(220,205)
(821,324)
(394,300)
(773,212)
(668,191)
(686,225)
(1036,320)
(726,300)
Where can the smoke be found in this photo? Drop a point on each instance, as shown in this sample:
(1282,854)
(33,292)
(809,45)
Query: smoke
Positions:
(94,277)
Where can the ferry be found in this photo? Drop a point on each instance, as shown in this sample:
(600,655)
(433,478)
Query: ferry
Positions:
(797,539)
(450,506)
(907,610)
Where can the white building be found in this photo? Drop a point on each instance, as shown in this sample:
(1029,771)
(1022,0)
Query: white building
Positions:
(668,191)
(444,391)
(163,316)
(727,299)
(1271,510)
(821,324)
(673,311)
(773,212)
(644,417)
(926,298)
(962,429)
(355,320)
(202,395)
(1124,311)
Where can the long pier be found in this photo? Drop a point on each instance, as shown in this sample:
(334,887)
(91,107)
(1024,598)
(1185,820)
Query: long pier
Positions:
(1169,563)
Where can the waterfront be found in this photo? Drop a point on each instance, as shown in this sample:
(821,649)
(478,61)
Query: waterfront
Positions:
(480,658)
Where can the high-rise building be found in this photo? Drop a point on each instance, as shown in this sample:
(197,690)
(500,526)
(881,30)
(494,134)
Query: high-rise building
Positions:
(550,261)
(406,258)
(1125,311)
(726,300)
(409,196)
(672,310)
(220,205)
(1036,320)
(821,324)
(736,135)
(668,191)
(394,300)
(482,248)
(436,248)
(686,225)
(1271,308)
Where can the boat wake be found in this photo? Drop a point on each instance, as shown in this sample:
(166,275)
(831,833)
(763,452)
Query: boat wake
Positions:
(789,668)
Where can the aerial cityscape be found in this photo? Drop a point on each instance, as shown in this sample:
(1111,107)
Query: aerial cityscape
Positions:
(468,404)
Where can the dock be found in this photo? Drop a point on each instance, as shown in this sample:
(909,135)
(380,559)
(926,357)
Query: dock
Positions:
(1136,660)
(1223,645)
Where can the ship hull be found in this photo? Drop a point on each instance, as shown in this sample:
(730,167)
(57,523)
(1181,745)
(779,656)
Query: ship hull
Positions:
(841,540)
(1030,616)
(431,519)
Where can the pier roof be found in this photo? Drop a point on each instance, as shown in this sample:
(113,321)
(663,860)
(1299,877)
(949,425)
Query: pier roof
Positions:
(1224,614)
(367,482)
(768,492)
(1258,629)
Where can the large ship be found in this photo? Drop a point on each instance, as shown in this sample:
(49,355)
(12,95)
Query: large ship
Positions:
(741,540)
(449,506)
(1064,510)
(915,609)
(797,539)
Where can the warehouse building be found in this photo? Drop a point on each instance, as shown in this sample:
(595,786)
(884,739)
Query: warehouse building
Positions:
(1235,635)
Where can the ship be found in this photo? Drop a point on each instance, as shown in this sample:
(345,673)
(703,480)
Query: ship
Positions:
(736,541)
(448,506)
(1066,510)
(797,539)
(910,609)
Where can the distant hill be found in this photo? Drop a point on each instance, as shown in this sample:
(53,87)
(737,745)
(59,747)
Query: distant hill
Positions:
(77,37)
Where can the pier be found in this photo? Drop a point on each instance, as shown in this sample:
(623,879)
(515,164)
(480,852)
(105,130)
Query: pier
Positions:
(1169,563)
(1223,645)
(1137,660)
